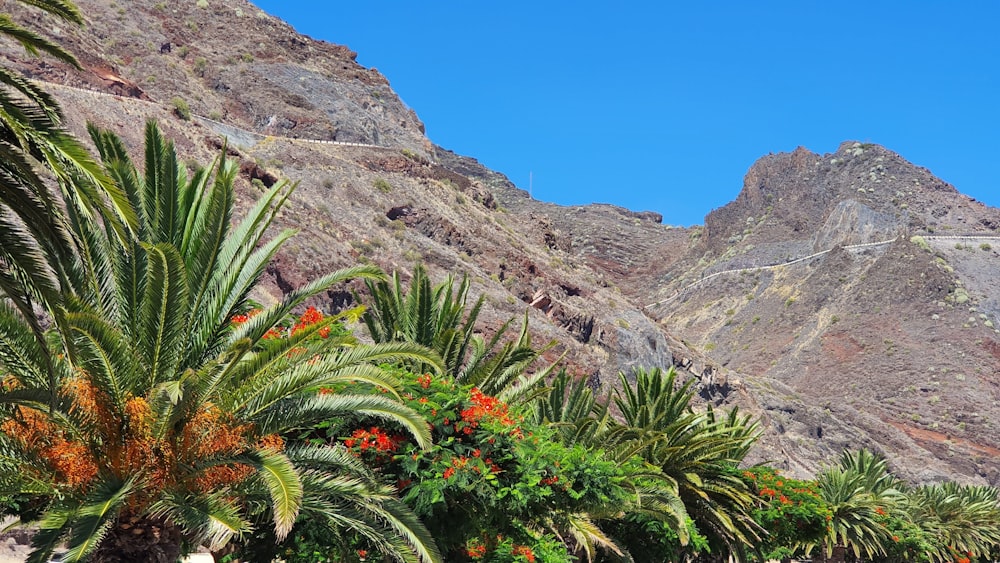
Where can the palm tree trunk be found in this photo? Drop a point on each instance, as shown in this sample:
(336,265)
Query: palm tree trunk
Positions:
(135,538)
(838,555)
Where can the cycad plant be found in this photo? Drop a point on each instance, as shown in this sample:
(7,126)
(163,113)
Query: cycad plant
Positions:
(162,429)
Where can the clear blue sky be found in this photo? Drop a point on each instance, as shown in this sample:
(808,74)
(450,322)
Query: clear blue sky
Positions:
(664,105)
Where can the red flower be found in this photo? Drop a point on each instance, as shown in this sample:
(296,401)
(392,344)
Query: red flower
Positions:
(374,438)
(525,551)
(475,550)
(448,472)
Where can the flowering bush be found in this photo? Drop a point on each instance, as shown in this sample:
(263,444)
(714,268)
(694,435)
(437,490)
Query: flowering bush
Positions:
(789,510)
(492,481)
(292,326)
(505,550)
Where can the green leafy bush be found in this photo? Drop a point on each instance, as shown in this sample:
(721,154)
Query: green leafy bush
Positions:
(493,484)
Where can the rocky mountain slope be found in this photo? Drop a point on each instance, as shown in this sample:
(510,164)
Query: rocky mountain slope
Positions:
(894,341)
(890,345)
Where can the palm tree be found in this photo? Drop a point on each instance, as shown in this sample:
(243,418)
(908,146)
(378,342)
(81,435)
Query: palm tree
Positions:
(691,457)
(572,408)
(162,429)
(698,452)
(37,248)
(860,492)
(438,317)
(962,519)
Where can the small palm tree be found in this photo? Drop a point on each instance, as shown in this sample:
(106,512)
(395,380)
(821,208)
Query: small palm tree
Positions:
(698,452)
(439,317)
(691,457)
(162,429)
(860,493)
(962,519)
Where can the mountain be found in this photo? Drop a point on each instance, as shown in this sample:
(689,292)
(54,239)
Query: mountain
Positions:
(847,299)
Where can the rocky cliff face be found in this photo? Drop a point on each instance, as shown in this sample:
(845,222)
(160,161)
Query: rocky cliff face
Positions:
(890,346)
(229,61)
(883,337)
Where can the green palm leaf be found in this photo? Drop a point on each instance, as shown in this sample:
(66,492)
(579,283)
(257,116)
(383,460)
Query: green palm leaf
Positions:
(164,311)
(212,520)
(318,408)
(95,516)
(282,481)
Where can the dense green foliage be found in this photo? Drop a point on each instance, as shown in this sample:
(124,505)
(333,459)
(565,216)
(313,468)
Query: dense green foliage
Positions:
(160,429)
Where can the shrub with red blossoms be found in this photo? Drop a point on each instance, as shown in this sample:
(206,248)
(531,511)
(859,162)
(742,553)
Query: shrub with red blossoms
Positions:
(312,316)
(491,479)
(789,509)
(374,444)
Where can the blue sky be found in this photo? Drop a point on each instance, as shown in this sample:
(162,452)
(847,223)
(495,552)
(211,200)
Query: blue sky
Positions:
(664,105)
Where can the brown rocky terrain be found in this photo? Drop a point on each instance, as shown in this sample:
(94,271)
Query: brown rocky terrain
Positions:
(890,345)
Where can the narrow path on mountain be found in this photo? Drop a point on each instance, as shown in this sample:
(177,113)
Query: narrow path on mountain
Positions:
(211,122)
(849,247)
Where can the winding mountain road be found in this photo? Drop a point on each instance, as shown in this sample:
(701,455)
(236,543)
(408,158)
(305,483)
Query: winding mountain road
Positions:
(850,247)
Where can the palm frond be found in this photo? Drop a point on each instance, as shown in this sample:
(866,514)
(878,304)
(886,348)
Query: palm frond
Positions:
(164,311)
(95,516)
(107,356)
(324,407)
(34,43)
(212,519)
(282,481)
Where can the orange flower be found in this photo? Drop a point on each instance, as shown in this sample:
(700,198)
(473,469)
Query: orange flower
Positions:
(72,461)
